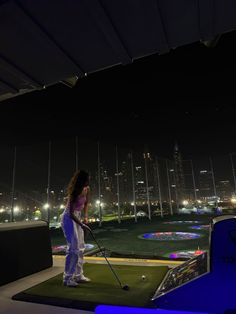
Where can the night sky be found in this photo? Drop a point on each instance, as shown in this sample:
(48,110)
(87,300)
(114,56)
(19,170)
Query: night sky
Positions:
(187,95)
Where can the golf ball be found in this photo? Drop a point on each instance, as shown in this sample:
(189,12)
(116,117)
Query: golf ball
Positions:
(143,277)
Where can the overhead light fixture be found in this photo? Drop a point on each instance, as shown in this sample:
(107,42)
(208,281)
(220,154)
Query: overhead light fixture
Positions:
(211,43)
(70,81)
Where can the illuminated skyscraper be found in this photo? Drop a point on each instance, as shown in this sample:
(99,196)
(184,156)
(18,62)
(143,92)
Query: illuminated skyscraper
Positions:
(224,190)
(205,184)
(179,174)
(125,183)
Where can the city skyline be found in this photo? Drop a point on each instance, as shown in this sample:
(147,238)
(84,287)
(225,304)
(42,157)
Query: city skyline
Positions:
(154,184)
(32,170)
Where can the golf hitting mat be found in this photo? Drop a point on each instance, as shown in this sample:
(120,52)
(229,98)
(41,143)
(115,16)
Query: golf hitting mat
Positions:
(103,288)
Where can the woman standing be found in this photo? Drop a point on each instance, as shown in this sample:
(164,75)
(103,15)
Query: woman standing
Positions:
(73,227)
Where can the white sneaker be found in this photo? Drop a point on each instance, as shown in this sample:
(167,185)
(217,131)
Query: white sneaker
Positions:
(82,279)
(70,283)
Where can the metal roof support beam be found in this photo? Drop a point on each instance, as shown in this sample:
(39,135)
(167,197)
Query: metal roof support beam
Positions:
(206,17)
(15,70)
(49,36)
(163,28)
(9,87)
(104,23)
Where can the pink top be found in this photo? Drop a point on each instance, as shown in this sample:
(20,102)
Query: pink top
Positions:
(79,204)
(80,201)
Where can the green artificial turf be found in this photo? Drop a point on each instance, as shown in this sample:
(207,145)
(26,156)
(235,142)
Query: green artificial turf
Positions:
(103,289)
(126,242)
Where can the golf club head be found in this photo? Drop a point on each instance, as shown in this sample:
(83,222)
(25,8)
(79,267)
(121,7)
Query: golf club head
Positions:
(125,287)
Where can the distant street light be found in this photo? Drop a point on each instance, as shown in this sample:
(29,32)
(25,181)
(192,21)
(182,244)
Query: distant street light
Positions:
(46,206)
(233,200)
(16,209)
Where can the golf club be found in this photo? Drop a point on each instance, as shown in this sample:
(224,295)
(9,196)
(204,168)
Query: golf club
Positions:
(124,287)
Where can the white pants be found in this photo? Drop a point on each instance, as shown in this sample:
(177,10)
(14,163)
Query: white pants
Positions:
(74,235)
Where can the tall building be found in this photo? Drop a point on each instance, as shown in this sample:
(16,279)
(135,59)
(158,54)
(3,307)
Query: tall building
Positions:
(107,188)
(224,190)
(205,184)
(140,186)
(125,182)
(179,174)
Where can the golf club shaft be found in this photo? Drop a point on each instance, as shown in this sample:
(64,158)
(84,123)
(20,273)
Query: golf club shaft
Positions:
(104,255)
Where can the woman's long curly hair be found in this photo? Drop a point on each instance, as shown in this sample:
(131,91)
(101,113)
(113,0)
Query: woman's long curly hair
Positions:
(79,180)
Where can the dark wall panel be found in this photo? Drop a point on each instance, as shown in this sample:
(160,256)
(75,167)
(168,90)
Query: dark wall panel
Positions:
(25,248)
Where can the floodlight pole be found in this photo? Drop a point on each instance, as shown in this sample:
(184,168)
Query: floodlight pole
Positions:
(168,183)
(49,181)
(99,186)
(194,183)
(133,186)
(213,176)
(118,184)
(147,187)
(159,186)
(13,185)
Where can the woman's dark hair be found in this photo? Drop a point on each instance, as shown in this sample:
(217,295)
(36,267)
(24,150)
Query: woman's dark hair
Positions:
(79,180)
